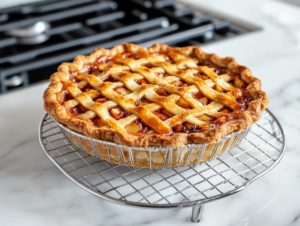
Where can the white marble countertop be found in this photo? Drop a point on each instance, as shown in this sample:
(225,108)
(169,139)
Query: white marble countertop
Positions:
(34,192)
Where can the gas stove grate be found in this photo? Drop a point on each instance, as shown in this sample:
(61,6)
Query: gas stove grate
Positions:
(78,27)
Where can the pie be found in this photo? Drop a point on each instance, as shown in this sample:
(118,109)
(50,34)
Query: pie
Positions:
(153,97)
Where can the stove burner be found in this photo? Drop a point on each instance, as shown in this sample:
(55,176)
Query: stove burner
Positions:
(30,35)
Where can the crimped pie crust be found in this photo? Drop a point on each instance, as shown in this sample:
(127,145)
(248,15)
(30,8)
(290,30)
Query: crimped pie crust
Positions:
(252,114)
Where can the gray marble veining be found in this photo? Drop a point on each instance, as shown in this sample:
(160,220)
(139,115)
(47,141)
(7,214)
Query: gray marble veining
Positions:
(34,192)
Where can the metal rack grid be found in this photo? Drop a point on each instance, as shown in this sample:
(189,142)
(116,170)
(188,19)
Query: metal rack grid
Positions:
(192,186)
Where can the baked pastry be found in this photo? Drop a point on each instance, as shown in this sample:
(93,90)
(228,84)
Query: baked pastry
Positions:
(156,96)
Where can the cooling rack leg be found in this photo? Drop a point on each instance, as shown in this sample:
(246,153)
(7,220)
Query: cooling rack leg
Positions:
(197,213)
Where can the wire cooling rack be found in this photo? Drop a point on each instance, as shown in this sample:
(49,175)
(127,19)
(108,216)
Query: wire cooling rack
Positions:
(186,186)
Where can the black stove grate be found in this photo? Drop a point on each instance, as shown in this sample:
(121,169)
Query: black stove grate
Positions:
(78,27)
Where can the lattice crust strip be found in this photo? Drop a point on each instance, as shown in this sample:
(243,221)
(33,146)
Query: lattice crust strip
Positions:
(128,71)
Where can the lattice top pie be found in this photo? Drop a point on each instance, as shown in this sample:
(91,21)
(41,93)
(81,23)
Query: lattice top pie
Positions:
(157,96)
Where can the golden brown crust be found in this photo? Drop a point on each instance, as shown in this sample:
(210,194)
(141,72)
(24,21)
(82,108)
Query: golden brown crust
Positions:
(251,115)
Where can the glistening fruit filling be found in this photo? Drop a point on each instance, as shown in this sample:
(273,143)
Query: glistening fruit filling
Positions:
(184,94)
